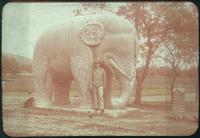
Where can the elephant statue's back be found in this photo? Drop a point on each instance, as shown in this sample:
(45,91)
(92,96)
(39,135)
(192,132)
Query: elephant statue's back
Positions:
(112,22)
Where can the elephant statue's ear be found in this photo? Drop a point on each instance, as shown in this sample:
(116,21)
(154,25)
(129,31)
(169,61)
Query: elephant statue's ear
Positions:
(92,33)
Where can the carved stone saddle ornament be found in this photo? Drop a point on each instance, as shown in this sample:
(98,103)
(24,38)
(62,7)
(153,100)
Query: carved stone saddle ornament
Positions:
(92,33)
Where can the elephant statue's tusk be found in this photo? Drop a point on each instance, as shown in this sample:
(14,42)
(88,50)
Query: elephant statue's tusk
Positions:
(118,68)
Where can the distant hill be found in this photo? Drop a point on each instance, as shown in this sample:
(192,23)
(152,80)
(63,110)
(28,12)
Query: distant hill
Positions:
(20,59)
(12,63)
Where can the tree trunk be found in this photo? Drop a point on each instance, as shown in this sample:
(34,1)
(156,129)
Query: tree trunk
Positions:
(174,75)
(140,79)
(138,92)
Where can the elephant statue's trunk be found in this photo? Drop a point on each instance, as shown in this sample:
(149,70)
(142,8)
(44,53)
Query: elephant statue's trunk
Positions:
(126,89)
(126,83)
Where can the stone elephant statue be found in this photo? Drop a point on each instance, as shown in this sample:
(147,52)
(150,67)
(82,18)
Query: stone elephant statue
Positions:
(66,52)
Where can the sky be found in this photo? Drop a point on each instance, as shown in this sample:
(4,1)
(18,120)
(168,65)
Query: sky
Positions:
(22,23)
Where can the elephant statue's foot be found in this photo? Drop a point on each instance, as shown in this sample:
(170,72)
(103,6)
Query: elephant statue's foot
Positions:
(85,106)
(85,103)
(107,104)
(61,93)
(61,100)
(118,104)
(42,104)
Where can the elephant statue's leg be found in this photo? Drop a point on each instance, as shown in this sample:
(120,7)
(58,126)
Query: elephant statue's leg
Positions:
(81,66)
(107,93)
(44,89)
(43,80)
(61,92)
(83,83)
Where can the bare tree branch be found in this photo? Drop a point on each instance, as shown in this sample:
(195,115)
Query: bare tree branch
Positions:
(166,59)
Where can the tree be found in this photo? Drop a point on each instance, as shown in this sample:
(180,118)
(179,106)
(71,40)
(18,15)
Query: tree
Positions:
(176,57)
(92,7)
(179,49)
(152,26)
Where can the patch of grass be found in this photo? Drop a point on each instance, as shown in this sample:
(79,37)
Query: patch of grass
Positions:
(152,86)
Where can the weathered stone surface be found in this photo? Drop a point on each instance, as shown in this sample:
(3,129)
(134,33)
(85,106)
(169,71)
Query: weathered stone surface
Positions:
(66,52)
(92,33)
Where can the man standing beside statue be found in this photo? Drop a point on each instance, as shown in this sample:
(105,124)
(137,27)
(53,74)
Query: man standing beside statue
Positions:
(98,83)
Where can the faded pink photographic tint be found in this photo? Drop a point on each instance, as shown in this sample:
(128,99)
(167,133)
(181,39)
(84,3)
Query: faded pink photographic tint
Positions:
(100,68)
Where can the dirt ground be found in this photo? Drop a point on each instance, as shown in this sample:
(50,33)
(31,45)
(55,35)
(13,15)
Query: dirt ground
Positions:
(146,120)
